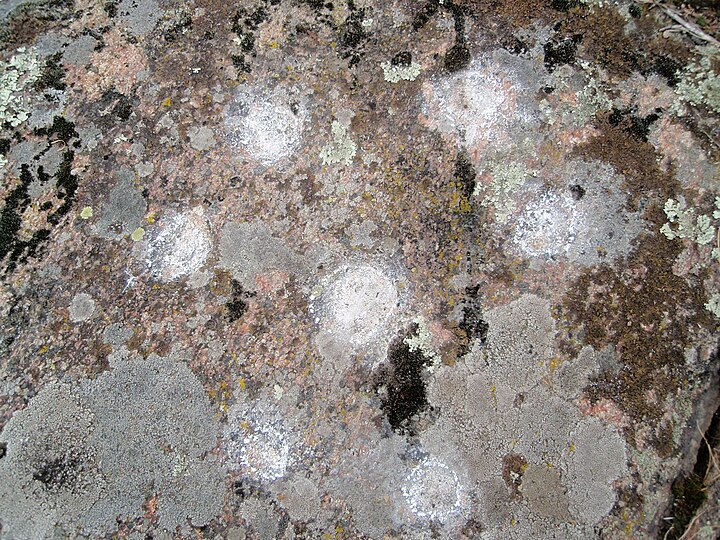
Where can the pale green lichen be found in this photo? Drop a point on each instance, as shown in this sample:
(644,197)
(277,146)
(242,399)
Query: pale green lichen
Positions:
(713,305)
(86,213)
(341,149)
(422,341)
(507,178)
(394,74)
(683,223)
(22,70)
(137,234)
(699,83)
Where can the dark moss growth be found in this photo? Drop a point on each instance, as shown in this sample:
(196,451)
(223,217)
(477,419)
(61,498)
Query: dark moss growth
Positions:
(465,173)
(401,386)
(635,314)
(632,157)
(240,63)
(635,10)
(52,74)
(403,58)
(513,45)
(4,146)
(564,5)
(636,127)
(559,54)
(577,191)
(512,472)
(604,41)
(689,493)
(237,307)
(472,326)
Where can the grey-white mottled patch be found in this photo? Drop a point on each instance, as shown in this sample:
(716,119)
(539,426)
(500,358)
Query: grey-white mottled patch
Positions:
(124,210)
(496,402)
(587,226)
(180,246)
(433,491)
(360,234)
(82,307)
(248,249)
(266,124)
(201,138)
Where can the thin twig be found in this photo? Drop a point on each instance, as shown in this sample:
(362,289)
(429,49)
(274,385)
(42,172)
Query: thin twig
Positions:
(692,28)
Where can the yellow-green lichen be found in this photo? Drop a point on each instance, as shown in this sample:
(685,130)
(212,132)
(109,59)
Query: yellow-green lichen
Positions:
(137,234)
(86,213)
(396,73)
(341,149)
(20,71)
(507,178)
(699,82)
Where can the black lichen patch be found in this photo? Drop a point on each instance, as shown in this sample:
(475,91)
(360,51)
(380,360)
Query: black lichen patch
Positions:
(14,248)
(636,127)
(352,35)
(666,66)
(119,105)
(403,58)
(425,13)
(61,129)
(178,27)
(111,8)
(458,56)
(465,173)
(577,191)
(564,5)
(58,474)
(472,327)
(3,449)
(237,307)
(402,387)
(245,24)
(52,75)
(472,528)
(559,54)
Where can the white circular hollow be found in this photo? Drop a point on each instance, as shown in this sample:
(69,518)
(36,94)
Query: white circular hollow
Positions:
(265,453)
(268,126)
(357,304)
(549,226)
(181,247)
(433,491)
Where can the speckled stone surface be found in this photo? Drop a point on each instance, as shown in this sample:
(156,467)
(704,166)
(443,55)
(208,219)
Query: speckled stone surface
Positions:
(278,269)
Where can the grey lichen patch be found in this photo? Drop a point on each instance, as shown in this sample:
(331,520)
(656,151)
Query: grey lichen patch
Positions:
(361,234)
(685,222)
(507,178)
(201,138)
(341,149)
(80,457)
(249,249)
(139,17)
(124,210)
(543,490)
(495,402)
(82,307)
